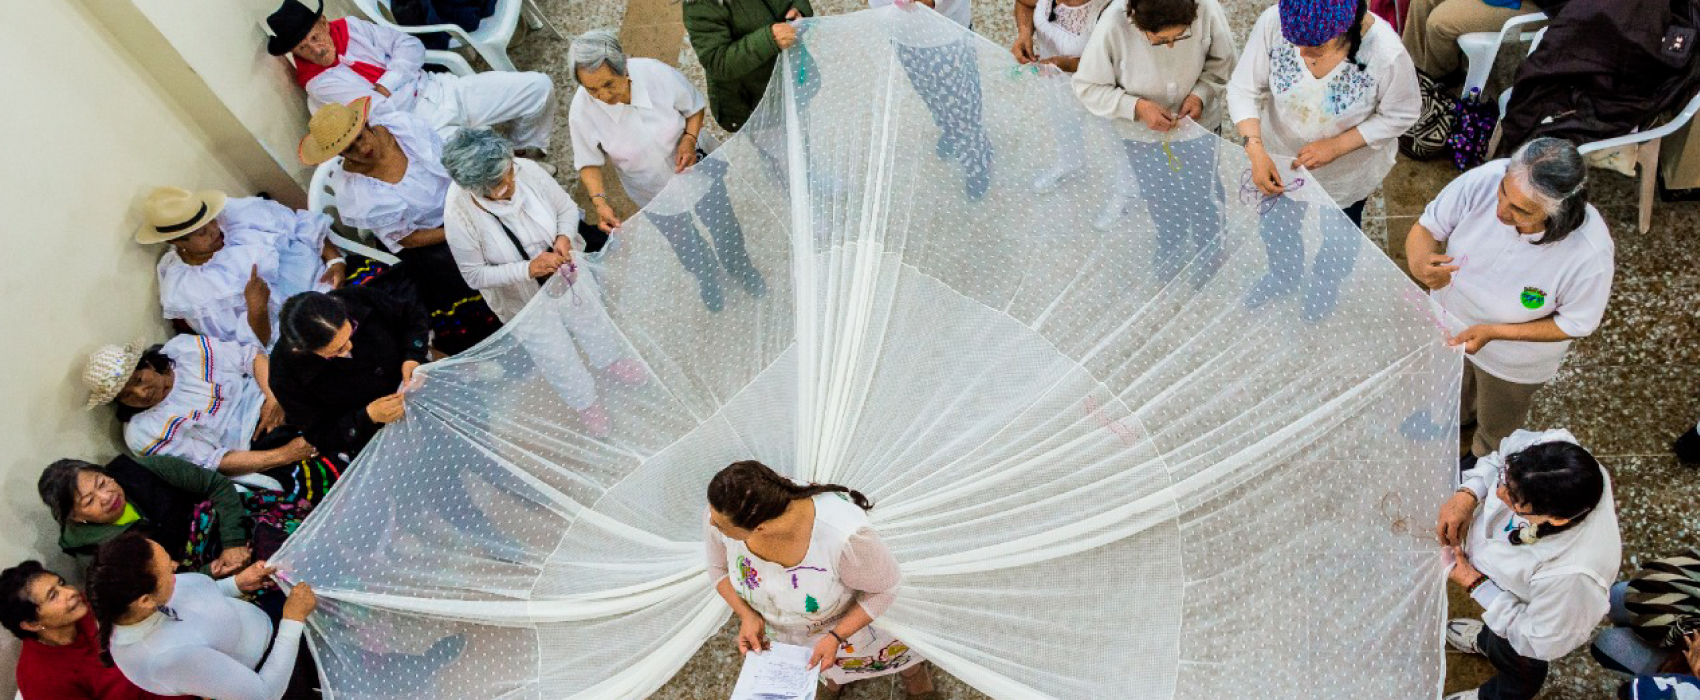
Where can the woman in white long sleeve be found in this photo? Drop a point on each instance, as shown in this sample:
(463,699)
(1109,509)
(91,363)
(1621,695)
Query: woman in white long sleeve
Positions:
(1157,62)
(800,564)
(1327,87)
(511,228)
(1534,530)
(186,634)
(1052,34)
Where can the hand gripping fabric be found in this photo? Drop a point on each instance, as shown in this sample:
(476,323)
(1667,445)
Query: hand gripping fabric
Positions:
(1192,452)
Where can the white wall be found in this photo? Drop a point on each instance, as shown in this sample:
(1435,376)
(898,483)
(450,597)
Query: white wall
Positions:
(89,127)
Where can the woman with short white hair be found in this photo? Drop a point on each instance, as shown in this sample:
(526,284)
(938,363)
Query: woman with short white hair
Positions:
(645,118)
(511,228)
(1527,267)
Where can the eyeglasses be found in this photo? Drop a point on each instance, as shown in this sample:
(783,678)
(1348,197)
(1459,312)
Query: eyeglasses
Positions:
(1169,42)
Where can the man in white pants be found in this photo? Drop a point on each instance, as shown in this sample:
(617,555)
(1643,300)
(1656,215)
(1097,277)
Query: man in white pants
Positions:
(345,59)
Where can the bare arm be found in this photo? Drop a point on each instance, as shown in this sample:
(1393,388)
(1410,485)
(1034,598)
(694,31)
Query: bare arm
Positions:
(423,237)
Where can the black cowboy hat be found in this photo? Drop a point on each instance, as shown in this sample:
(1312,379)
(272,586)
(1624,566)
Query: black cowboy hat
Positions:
(290,24)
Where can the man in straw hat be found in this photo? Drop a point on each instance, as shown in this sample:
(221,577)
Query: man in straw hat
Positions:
(233,261)
(340,60)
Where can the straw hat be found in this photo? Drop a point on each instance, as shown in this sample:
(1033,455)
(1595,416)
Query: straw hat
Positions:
(331,129)
(174,212)
(109,369)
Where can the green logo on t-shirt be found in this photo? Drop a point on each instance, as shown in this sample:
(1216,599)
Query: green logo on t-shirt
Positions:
(1533,298)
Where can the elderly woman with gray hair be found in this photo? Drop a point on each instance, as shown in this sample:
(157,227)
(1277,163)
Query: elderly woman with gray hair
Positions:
(1526,267)
(512,228)
(646,119)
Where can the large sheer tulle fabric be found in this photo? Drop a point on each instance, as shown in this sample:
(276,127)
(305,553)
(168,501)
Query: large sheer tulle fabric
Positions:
(1193,455)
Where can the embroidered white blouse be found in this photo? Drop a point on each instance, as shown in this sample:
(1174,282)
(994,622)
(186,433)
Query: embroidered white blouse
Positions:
(1297,108)
(640,137)
(213,407)
(285,244)
(391,212)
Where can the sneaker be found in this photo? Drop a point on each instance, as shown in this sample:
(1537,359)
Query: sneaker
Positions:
(1113,212)
(627,371)
(595,420)
(1049,180)
(1461,634)
(1463,695)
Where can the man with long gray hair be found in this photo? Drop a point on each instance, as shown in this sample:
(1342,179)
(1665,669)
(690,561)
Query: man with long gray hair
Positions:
(1526,268)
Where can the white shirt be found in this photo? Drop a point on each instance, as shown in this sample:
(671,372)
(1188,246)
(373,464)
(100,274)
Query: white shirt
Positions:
(400,55)
(1119,66)
(1545,597)
(392,212)
(213,407)
(211,648)
(538,211)
(286,244)
(1504,278)
(1297,108)
(641,137)
(1067,34)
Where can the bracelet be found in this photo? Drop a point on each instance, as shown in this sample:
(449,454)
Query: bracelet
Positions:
(1249,139)
(693,136)
(834,634)
(336,261)
(603,195)
(1480,579)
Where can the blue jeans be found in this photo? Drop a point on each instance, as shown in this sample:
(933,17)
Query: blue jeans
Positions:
(1184,203)
(1284,243)
(715,210)
(948,80)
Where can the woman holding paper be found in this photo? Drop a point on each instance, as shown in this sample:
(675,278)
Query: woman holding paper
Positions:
(801,564)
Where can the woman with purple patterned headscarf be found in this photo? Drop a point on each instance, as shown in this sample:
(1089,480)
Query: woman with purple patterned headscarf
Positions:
(1326,87)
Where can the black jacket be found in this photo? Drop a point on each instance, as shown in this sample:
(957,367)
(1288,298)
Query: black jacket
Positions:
(327,399)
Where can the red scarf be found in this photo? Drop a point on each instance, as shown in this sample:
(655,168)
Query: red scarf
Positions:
(306,71)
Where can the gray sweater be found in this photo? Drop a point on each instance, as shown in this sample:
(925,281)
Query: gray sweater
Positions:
(1121,67)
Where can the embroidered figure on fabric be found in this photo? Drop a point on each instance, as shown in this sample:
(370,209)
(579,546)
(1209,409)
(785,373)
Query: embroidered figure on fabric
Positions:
(892,656)
(1122,432)
(1399,518)
(793,571)
(1250,195)
(1533,298)
(1284,68)
(1347,89)
(747,574)
(810,604)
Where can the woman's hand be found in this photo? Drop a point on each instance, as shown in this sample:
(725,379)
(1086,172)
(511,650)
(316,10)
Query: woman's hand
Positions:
(301,603)
(335,274)
(255,577)
(1316,155)
(1022,49)
(1434,270)
(1153,115)
(1692,655)
(1463,572)
(255,293)
(563,246)
(793,15)
(1066,64)
(1191,108)
(297,450)
(605,218)
(784,34)
(388,409)
(1473,338)
(826,653)
(1455,516)
(685,154)
(1263,172)
(544,264)
(750,634)
(271,416)
(231,560)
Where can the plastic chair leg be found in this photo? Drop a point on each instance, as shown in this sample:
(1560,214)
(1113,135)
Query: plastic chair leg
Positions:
(1647,160)
(535,19)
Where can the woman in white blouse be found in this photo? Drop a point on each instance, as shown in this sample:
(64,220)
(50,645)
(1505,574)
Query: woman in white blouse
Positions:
(512,228)
(1534,533)
(645,118)
(1052,34)
(186,634)
(1327,87)
(1527,268)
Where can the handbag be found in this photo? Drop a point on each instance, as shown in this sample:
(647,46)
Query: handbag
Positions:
(1427,138)
(1663,600)
(1474,119)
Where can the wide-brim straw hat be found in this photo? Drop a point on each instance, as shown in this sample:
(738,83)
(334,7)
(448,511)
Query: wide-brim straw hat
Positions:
(173,212)
(332,129)
(109,369)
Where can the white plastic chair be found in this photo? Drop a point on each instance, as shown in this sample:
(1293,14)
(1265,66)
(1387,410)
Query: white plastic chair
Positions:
(320,198)
(490,39)
(1482,48)
(1646,145)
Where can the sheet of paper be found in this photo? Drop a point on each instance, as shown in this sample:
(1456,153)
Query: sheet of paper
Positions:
(780,673)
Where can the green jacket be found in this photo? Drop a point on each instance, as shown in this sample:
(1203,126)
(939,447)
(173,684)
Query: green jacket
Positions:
(734,41)
(163,491)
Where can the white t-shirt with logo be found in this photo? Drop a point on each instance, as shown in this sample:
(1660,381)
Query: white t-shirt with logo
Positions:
(1503,278)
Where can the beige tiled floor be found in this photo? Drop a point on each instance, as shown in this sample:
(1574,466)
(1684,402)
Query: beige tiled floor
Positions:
(1625,391)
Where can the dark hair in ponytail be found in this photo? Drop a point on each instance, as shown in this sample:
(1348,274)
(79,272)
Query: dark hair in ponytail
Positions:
(1355,35)
(1557,480)
(1556,171)
(1157,15)
(121,572)
(750,493)
(309,321)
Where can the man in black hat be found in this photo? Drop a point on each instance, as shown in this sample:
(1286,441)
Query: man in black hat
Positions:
(345,59)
